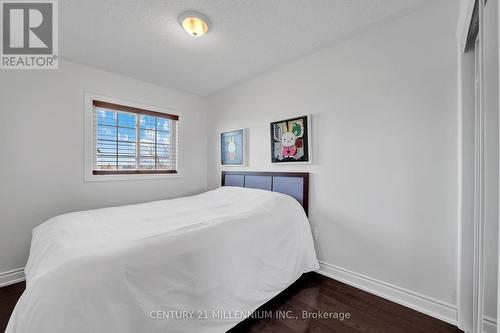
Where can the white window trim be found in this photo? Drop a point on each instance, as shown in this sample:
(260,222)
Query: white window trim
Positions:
(89,140)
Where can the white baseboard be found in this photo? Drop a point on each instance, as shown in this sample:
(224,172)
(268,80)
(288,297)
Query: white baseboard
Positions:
(425,304)
(489,325)
(11,277)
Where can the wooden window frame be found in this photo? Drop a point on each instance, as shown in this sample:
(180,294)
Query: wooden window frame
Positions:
(131,109)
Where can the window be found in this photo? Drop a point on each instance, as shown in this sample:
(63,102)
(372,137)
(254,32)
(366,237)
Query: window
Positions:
(129,140)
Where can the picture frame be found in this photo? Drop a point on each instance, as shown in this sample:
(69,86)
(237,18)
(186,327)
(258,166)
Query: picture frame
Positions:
(291,140)
(233,147)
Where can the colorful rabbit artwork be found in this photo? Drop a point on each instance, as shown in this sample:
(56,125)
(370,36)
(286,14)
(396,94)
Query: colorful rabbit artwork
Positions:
(289,140)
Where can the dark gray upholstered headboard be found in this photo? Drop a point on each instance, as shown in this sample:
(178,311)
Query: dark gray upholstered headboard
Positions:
(295,184)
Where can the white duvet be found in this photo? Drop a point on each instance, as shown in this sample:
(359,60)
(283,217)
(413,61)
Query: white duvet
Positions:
(192,264)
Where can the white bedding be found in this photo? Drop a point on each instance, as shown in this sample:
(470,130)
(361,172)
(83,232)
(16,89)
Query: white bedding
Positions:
(220,254)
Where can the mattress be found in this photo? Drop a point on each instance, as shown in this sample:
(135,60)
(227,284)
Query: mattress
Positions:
(192,264)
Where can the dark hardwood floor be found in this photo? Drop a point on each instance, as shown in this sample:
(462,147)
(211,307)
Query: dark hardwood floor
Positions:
(315,295)
(8,299)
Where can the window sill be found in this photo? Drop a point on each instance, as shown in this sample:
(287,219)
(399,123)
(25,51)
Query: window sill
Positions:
(132,172)
(110,177)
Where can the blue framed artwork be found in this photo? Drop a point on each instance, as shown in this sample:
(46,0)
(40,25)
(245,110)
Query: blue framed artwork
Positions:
(233,147)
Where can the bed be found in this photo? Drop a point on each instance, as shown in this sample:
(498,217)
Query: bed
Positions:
(193,264)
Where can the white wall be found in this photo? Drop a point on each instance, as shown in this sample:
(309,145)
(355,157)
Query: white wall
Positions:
(41,147)
(498,239)
(385,147)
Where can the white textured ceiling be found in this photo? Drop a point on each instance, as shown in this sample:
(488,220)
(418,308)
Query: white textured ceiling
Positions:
(142,38)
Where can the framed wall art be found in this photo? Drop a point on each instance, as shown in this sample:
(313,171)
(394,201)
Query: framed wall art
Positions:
(233,147)
(290,140)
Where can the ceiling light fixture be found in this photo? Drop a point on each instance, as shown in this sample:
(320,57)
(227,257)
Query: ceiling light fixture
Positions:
(195,24)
